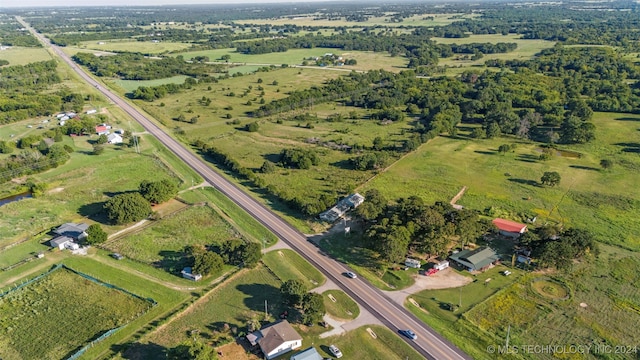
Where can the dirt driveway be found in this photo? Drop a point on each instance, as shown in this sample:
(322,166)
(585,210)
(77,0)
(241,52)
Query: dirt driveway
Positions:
(444,279)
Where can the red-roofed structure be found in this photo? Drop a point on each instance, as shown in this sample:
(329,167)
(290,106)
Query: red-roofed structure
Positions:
(102,130)
(510,228)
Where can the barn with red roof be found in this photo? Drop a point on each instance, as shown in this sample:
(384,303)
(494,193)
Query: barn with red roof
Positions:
(510,228)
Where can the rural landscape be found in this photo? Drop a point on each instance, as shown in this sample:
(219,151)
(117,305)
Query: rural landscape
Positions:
(332,179)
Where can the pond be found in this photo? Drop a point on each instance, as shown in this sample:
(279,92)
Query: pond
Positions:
(12,198)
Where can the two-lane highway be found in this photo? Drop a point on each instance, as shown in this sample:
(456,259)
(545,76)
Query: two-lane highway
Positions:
(430,344)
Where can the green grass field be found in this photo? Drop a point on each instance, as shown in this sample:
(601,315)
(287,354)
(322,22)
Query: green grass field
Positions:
(130,85)
(127,45)
(16,55)
(59,313)
(288,265)
(242,221)
(367,60)
(343,307)
(162,244)
(526,50)
(587,197)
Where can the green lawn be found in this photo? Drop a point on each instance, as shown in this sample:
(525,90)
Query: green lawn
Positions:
(54,316)
(587,197)
(16,55)
(288,265)
(343,307)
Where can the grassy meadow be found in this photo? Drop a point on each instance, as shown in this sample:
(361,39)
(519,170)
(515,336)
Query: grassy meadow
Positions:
(163,243)
(130,85)
(17,55)
(367,60)
(63,311)
(587,197)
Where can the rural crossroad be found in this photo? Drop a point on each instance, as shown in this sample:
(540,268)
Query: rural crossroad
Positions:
(429,343)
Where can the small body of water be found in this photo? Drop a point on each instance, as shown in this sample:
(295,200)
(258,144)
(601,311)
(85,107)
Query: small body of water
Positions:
(13,198)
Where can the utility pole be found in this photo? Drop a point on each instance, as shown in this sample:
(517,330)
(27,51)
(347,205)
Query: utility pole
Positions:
(460,300)
(266,315)
(506,345)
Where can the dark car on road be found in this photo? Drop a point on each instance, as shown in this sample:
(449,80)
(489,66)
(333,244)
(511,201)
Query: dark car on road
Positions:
(408,333)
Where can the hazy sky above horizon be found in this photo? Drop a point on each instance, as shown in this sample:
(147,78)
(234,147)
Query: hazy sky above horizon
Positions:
(60,3)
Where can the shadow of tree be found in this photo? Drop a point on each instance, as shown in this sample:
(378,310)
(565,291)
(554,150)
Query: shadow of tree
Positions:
(627,119)
(274,158)
(525,182)
(172,261)
(258,294)
(138,351)
(95,212)
(630,147)
(581,167)
(483,152)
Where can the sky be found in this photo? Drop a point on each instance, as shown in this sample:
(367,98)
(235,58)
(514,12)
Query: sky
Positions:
(55,3)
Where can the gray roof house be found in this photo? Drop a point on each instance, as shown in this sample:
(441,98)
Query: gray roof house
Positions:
(307,354)
(276,339)
(476,260)
(60,242)
(72,230)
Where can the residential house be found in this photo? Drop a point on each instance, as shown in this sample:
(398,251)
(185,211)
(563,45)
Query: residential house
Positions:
(114,139)
(276,339)
(103,129)
(479,259)
(307,354)
(510,228)
(72,230)
(60,242)
(341,208)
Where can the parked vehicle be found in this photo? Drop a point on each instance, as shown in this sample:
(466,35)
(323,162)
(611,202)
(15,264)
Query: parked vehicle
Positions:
(351,274)
(335,351)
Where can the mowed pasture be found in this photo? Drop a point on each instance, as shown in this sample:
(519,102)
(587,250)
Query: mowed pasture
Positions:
(128,45)
(56,315)
(339,305)
(163,243)
(367,60)
(601,201)
(130,85)
(17,55)
(526,50)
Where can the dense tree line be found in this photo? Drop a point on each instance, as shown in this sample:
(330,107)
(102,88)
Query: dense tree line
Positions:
(211,259)
(33,161)
(12,34)
(558,248)
(409,224)
(310,304)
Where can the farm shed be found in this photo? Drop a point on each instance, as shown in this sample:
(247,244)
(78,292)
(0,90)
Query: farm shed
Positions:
(307,354)
(475,260)
(510,228)
(441,265)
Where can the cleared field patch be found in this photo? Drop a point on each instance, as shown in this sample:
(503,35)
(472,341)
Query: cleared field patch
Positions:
(162,244)
(287,265)
(587,197)
(339,305)
(16,55)
(145,47)
(131,85)
(550,289)
(54,316)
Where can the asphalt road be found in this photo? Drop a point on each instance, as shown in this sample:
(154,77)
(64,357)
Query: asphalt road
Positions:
(429,343)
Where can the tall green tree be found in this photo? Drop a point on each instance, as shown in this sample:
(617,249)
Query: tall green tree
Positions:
(313,308)
(293,292)
(95,234)
(126,208)
(550,178)
(158,192)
